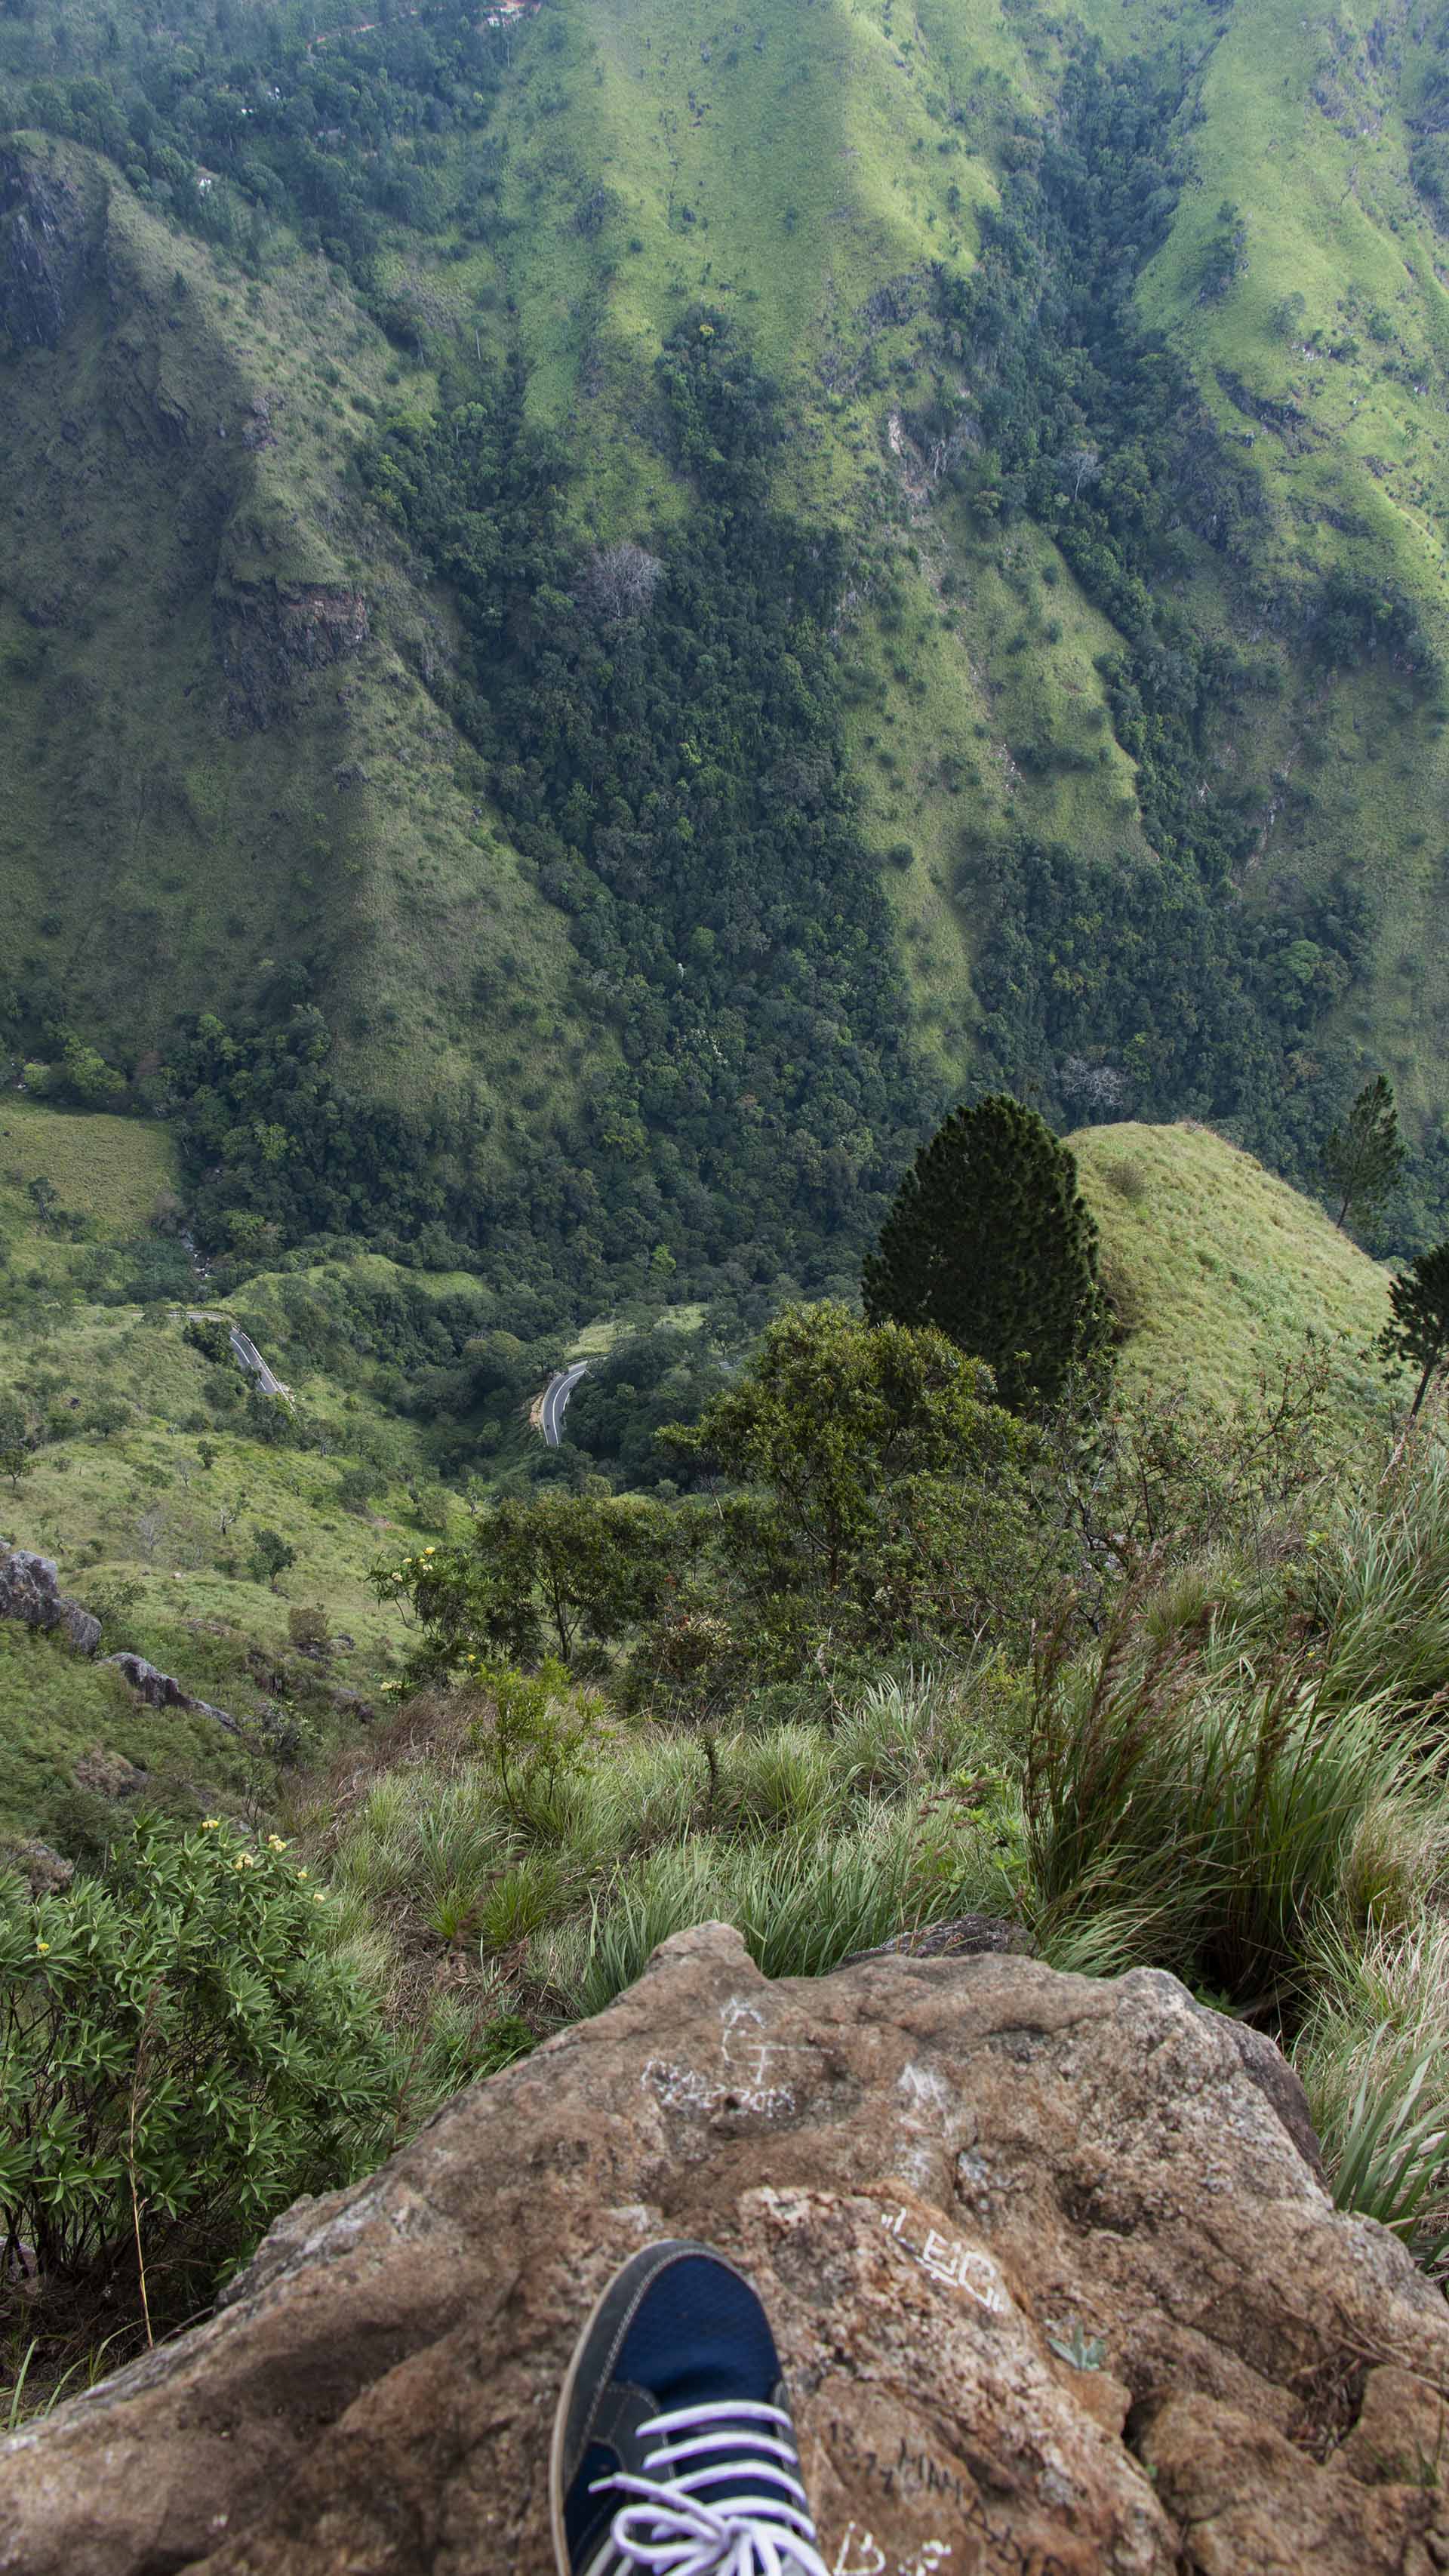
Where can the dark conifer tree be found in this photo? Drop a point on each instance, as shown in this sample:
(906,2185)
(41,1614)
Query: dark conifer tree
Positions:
(1418,1329)
(990,1241)
(1363,1158)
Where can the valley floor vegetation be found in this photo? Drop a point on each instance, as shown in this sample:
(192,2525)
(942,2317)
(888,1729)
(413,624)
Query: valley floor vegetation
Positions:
(1166,1687)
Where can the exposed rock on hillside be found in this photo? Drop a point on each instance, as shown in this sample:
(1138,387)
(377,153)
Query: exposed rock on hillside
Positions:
(163,1690)
(30,1590)
(1055,2288)
(45,249)
(268,640)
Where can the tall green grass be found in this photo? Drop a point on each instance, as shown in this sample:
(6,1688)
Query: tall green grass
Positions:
(1242,1781)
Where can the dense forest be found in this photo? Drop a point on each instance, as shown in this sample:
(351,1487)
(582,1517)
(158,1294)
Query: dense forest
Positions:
(662,720)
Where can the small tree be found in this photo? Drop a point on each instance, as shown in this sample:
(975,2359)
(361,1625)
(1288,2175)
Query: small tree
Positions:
(1362,1159)
(270,1556)
(1418,1328)
(990,1242)
(534,1576)
(15,1458)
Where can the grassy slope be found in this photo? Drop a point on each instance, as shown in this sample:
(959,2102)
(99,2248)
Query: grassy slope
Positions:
(787,164)
(158,849)
(133,1515)
(1221,1269)
(109,1170)
(1305,129)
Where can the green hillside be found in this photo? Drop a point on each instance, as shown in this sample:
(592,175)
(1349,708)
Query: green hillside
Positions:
(149,1476)
(1220,1272)
(1056,407)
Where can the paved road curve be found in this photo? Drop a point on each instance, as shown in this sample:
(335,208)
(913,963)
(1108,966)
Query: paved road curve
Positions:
(251,1358)
(555,1401)
(245,1350)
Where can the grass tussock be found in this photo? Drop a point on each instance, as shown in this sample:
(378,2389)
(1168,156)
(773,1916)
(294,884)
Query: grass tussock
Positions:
(1241,1780)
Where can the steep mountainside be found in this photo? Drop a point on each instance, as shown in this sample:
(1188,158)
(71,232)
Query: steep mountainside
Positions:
(697,580)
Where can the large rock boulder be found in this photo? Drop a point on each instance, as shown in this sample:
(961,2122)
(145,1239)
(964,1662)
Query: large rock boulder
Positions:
(163,1690)
(1056,2290)
(30,1590)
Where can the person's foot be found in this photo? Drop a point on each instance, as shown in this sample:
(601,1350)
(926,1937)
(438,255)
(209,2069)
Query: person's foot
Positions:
(673,2449)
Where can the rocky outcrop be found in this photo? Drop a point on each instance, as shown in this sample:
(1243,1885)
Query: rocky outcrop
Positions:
(163,1690)
(1056,2291)
(46,1872)
(30,1590)
(108,1775)
(46,245)
(270,639)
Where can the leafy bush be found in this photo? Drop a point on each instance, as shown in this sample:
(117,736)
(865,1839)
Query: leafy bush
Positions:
(179,2058)
(207,1334)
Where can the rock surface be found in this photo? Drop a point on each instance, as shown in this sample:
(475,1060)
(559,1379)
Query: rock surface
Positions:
(30,1590)
(163,1690)
(45,249)
(46,1872)
(1055,2289)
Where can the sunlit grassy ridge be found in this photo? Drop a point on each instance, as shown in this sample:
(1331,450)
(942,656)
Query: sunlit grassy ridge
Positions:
(1221,1270)
(792,166)
(110,1170)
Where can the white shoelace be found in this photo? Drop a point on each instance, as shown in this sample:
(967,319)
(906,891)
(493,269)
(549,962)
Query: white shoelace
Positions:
(669,2527)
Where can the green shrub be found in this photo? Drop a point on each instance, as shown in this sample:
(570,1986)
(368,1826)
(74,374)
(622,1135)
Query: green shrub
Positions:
(179,2059)
(538,1739)
(207,1334)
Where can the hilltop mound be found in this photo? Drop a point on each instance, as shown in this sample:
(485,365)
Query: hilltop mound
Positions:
(1053,2283)
(1218,1269)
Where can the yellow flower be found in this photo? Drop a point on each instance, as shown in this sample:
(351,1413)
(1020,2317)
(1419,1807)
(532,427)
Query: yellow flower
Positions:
(317,1896)
(41,1948)
(245,1860)
(304,1873)
(209,1824)
(275,1843)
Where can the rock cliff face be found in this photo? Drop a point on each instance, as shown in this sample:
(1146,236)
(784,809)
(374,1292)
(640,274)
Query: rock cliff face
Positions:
(1056,2290)
(45,251)
(269,639)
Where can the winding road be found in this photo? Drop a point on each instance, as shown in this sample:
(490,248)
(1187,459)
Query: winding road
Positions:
(555,1401)
(251,1358)
(245,1350)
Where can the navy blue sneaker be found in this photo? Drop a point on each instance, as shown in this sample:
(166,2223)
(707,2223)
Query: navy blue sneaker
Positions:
(673,2448)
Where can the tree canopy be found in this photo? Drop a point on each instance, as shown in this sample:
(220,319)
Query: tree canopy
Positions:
(1418,1328)
(1362,1159)
(990,1242)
